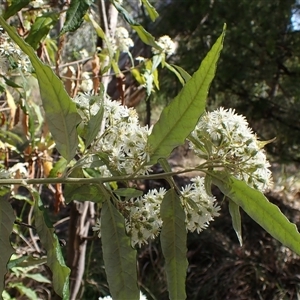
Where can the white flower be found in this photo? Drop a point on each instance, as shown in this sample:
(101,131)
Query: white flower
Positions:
(122,42)
(97,227)
(199,207)
(143,221)
(11,55)
(224,138)
(121,138)
(167,45)
(86,82)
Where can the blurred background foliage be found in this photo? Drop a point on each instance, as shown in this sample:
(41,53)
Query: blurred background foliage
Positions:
(258,72)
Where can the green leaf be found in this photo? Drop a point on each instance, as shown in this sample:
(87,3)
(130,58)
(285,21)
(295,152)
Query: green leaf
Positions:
(151,10)
(144,35)
(38,277)
(93,126)
(9,82)
(75,14)
(172,69)
(119,257)
(58,168)
(30,293)
(16,5)
(173,239)
(60,110)
(258,207)
(49,240)
(234,210)
(184,74)
(180,117)
(80,192)
(41,28)
(7,218)
(128,193)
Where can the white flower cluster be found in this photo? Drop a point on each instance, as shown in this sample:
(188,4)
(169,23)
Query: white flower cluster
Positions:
(122,41)
(123,139)
(199,206)
(224,139)
(11,56)
(142,219)
(167,45)
(142,215)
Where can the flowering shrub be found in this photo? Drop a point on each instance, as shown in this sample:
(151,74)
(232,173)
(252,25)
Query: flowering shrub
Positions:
(102,144)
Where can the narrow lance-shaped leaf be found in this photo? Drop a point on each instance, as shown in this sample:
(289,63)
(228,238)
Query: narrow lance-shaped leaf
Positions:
(234,210)
(151,10)
(7,219)
(173,242)
(75,14)
(143,34)
(49,240)
(60,110)
(258,207)
(180,117)
(119,257)
(41,28)
(14,7)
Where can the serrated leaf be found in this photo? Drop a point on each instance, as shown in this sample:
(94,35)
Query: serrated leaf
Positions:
(7,219)
(49,240)
(180,117)
(151,10)
(60,110)
(258,207)
(41,28)
(173,239)
(234,211)
(119,257)
(75,14)
(16,5)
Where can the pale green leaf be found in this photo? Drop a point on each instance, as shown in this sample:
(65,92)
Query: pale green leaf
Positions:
(7,219)
(50,242)
(30,293)
(258,207)
(60,110)
(184,74)
(119,257)
(173,239)
(151,10)
(38,277)
(180,117)
(234,210)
